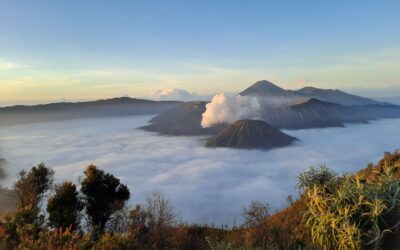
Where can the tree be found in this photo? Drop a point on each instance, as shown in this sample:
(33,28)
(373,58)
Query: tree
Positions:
(103,195)
(159,218)
(65,206)
(255,214)
(30,188)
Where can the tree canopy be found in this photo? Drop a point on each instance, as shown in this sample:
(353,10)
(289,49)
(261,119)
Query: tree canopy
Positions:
(103,195)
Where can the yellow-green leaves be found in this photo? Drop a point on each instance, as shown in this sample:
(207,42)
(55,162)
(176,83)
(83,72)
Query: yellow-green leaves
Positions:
(346,213)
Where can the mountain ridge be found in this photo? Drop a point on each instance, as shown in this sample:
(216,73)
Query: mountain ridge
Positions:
(121,106)
(269,89)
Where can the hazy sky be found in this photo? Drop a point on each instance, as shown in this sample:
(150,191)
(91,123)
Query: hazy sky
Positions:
(52,50)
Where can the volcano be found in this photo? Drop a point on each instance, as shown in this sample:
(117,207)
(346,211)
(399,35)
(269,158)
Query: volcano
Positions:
(250,134)
(263,87)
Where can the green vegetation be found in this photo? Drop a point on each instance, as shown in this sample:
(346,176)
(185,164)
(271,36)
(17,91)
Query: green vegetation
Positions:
(351,211)
(64,207)
(103,196)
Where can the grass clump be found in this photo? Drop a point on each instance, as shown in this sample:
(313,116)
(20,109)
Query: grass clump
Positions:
(349,213)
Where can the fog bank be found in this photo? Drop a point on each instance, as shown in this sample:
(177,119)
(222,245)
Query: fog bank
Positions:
(205,185)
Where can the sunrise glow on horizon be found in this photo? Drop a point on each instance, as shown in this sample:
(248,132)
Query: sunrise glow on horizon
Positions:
(84,50)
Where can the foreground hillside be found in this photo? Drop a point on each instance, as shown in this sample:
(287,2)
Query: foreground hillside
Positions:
(359,211)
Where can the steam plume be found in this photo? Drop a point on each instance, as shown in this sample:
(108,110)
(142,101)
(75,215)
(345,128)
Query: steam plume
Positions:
(228,109)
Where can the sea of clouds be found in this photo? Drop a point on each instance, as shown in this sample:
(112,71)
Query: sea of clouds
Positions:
(205,185)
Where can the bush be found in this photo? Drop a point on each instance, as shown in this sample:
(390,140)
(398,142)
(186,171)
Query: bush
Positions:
(283,230)
(351,214)
(57,239)
(111,242)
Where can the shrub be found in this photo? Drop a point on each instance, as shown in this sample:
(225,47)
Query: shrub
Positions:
(350,214)
(255,214)
(283,230)
(57,239)
(111,242)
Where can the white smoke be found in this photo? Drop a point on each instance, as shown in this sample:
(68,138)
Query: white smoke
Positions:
(228,109)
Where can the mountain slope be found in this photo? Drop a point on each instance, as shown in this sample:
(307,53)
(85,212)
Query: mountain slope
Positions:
(182,120)
(263,87)
(186,119)
(310,114)
(250,134)
(336,96)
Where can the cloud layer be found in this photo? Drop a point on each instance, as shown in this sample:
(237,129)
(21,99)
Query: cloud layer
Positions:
(205,185)
(174,94)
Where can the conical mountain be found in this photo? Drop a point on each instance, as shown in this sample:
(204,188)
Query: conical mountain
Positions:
(250,134)
(263,87)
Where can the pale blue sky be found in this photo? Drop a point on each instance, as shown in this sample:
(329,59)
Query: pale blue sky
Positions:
(51,50)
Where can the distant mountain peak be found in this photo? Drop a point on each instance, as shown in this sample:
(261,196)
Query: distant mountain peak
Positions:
(261,88)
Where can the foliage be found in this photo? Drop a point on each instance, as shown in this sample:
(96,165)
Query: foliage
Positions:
(255,214)
(283,230)
(30,188)
(358,211)
(57,239)
(321,176)
(153,222)
(64,207)
(111,242)
(350,214)
(103,195)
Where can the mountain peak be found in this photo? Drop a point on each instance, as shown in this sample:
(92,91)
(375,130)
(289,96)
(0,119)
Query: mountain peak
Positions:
(250,134)
(262,88)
